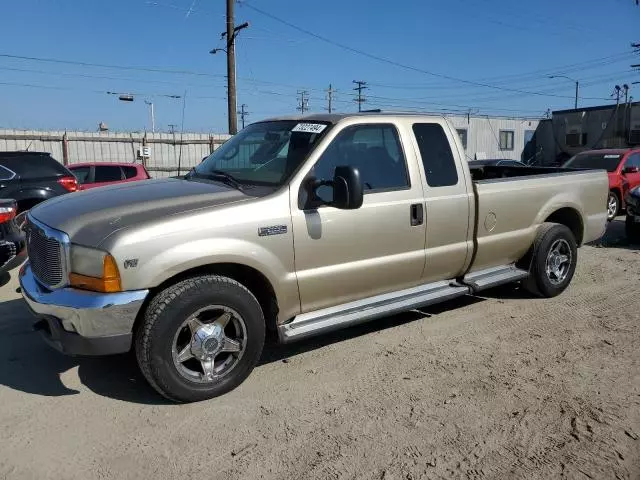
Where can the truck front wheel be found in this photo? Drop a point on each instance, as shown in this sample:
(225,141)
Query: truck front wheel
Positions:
(553,262)
(200,338)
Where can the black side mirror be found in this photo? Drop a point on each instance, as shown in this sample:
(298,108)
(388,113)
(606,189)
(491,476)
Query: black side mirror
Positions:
(626,170)
(347,188)
(344,191)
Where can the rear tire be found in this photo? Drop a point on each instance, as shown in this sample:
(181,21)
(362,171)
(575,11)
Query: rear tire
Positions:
(553,262)
(200,338)
(632,230)
(613,206)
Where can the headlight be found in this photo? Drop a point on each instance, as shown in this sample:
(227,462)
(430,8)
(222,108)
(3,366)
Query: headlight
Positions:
(93,269)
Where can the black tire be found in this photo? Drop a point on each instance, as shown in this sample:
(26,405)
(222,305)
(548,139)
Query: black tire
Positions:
(613,198)
(163,318)
(539,283)
(632,230)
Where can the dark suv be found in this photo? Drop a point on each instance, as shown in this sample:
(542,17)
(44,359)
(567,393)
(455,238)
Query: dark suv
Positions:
(32,177)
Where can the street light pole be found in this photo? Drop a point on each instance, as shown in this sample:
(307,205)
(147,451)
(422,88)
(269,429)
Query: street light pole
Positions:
(153,116)
(575,105)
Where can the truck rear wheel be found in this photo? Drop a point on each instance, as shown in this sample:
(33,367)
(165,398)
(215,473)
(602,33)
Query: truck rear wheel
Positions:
(200,338)
(553,262)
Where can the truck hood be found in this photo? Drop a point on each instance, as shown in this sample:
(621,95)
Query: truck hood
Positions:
(90,216)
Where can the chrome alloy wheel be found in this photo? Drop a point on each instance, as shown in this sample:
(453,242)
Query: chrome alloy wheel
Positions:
(558,261)
(209,344)
(612,206)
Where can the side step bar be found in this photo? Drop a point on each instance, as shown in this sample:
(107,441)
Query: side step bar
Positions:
(353,313)
(341,316)
(492,277)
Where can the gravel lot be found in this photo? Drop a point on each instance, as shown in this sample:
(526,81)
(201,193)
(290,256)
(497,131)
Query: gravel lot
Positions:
(502,386)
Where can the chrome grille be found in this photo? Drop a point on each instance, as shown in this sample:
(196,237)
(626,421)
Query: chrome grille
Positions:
(46,250)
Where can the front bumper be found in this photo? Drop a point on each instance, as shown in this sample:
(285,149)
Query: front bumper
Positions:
(78,322)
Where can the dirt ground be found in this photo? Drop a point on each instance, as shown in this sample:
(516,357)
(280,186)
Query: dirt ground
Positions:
(502,386)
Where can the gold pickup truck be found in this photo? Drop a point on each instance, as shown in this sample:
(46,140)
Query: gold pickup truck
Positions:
(300,225)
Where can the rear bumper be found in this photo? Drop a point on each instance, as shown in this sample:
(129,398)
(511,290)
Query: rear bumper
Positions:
(13,249)
(77,322)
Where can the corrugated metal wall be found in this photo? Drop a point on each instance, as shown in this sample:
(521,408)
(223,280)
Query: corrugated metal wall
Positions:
(483,135)
(167,150)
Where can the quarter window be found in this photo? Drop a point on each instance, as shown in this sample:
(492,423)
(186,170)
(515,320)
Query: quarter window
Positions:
(437,158)
(506,139)
(130,172)
(6,174)
(374,150)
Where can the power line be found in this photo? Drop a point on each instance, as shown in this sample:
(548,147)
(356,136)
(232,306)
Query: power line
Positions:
(395,63)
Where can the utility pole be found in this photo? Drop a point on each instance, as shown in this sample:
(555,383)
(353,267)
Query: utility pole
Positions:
(360,99)
(616,93)
(625,87)
(231,33)
(330,92)
(243,113)
(303,106)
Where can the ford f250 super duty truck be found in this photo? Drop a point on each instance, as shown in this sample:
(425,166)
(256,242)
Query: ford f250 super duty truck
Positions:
(301,225)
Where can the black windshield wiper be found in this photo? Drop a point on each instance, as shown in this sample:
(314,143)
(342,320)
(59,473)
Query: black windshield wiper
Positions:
(221,176)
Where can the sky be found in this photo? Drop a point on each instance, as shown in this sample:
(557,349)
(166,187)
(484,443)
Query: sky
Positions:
(58,59)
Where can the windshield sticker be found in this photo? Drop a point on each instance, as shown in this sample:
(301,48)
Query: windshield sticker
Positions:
(309,127)
(612,156)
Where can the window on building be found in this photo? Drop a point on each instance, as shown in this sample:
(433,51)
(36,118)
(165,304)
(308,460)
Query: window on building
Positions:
(374,150)
(437,158)
(105,174)
(462,132)
(576,139)
(506,139)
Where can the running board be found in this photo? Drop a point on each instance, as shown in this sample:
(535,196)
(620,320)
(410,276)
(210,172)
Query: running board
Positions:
(492,277)
(341,316)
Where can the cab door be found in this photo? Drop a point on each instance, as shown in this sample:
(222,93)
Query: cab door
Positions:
(348,255)
(448,202)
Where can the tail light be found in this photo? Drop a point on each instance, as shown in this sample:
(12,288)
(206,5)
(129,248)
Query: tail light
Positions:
(8,213)
(69,183)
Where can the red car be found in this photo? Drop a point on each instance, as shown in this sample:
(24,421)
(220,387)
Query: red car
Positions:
(623,166)
(92,175)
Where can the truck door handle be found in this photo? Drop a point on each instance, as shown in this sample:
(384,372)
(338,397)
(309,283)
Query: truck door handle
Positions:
(417,214)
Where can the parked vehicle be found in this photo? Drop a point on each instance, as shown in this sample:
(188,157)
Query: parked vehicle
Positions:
(632,222)
(623,166)
(302,225)
(99,174)
(32,177)
(12,242)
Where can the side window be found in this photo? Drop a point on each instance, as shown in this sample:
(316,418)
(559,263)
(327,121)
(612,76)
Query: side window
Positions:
(633,160)
(107,174)
(130,172)
(506,139)
(374,150)
(6,174)
(437,158)
(462,132)
(81,174)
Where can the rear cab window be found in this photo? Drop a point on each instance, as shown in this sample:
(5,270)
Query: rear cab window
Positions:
(437,158)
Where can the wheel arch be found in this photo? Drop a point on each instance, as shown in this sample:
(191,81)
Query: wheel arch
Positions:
(570,218)
(251,278)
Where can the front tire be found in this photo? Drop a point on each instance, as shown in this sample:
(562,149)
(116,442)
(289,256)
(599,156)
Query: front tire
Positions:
(613,206)
(632,230)
(553,262)
(200,338)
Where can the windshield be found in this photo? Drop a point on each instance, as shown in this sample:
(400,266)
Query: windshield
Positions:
(597,161)
(266,153)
